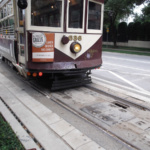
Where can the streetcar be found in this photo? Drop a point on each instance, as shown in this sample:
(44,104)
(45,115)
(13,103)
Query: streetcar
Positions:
(58,39)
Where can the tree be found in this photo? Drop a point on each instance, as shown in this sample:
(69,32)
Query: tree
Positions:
(145,16)
(131,31)
(146,26)
(122,32)
(116,10)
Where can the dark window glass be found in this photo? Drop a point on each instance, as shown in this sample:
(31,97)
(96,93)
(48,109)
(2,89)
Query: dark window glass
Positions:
(4,12)
(94,16)
(5,23)
(46,13)
(1,14)
(10,8)
(21,38)
(11,21)
(75,13)
(20,17)
(11,25)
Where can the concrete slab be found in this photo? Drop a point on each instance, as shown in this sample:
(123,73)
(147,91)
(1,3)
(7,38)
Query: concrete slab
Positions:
(62,127)
(91,146)
(108,113)
(140,123)
(51,118)
(76,139)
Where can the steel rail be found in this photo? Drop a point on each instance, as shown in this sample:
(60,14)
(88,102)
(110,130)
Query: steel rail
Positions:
(140,106)
(130,146)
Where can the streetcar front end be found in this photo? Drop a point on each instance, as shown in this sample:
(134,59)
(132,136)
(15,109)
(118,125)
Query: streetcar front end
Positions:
(62,36)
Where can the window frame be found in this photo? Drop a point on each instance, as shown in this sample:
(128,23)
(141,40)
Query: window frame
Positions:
(43,28)
(76,30)
(10,12)
(5,22)
(101,22)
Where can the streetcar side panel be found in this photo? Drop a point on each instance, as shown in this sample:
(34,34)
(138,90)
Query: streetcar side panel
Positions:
(7,31)
(7,49)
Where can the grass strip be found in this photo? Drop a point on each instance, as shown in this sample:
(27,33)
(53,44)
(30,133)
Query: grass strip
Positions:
(127,48)
(127,51)
(8,139)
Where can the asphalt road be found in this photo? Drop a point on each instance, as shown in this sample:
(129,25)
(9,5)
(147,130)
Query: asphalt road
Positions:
(131,71)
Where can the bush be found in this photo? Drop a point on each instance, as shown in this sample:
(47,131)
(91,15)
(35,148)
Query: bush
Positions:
(122,32)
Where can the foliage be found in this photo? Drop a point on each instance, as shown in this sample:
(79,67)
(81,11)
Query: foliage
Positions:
(130,51)
(122,32)
(132,31)
(139,31)
(116,10)
(8,139)
(145,16)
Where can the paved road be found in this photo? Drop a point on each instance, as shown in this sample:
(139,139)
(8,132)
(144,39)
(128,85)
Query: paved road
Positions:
(131,71)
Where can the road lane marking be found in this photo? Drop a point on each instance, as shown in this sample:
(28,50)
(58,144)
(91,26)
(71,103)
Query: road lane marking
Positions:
(114,70)
(118,85)
(127,67)
(128,73)
(130,83)
(128,59)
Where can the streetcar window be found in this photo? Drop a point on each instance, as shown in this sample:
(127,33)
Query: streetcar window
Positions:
(11,25)
(4,12)
(46,13)
(10,8)
(5,23)
(1,14)
(94,16)
(75,13)
(11,21)
(21,38)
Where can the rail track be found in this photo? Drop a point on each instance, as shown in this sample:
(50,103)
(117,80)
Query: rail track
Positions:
(117,117)
(83,112)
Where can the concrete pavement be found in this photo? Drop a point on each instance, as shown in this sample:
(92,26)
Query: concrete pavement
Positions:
(48,129)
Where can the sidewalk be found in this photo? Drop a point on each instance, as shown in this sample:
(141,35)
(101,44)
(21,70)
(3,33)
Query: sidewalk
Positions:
(46,128)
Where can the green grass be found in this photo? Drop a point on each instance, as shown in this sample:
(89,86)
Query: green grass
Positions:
(8,139)
(127,50)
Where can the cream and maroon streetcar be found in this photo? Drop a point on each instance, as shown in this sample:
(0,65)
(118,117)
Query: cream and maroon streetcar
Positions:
(58,39)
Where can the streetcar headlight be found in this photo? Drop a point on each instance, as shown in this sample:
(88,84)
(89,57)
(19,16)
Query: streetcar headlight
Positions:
(75,47)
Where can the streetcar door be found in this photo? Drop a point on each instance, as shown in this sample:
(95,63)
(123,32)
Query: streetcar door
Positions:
(21,36)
